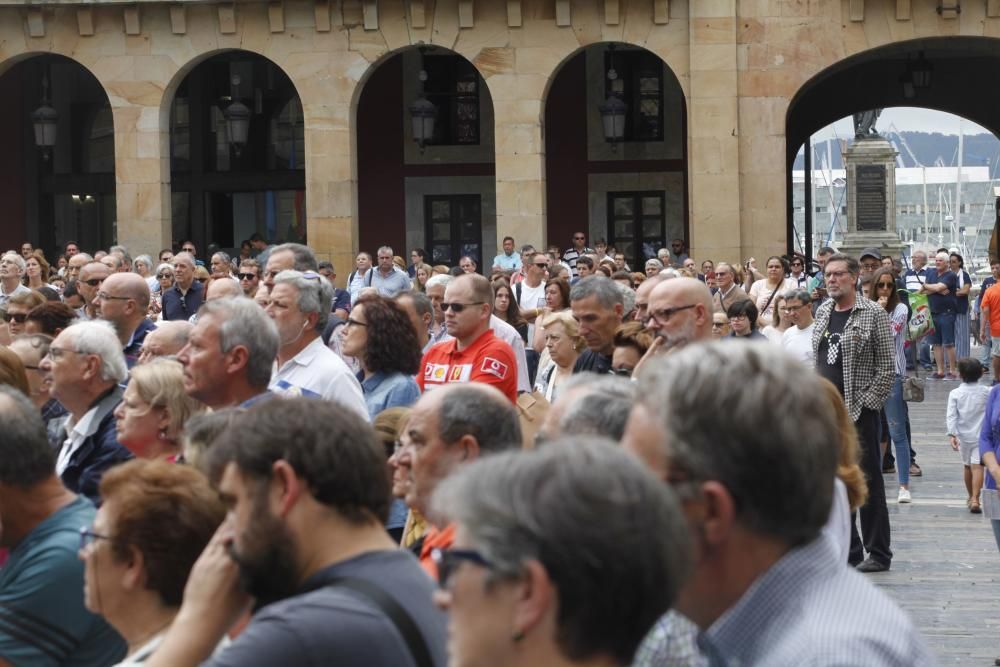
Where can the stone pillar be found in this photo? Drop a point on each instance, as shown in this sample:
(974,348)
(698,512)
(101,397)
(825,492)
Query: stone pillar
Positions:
(871,198)
(713,128)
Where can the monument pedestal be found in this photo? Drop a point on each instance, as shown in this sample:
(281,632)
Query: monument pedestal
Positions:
(871,198)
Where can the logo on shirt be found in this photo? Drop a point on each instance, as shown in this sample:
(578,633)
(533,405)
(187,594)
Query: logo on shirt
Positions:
(494,367)
(436,372)
(460,373)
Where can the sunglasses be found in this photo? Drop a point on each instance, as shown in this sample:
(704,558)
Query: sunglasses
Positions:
(459,307)
(579,238)
(19,318)
(448,560)
(888,285)
(187,249)
(161,276)
(247,276)
(541,266)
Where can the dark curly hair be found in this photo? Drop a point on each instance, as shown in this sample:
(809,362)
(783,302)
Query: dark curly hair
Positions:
(392,342)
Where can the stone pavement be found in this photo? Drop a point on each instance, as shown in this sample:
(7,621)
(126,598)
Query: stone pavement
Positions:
(946,566)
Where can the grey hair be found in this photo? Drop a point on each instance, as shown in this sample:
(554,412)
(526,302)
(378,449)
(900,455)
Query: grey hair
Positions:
(243,322)
(541,505)
(670,272)
(25,455)
(98,337)
(185,256)
(16,256)
(385,247)
(797,293)
(225,257)
(762,461)
(486,416)
(853,267)
(421,302)
(121,250)
(441,279)
(628,297)
(654,262)
(941,255)
(605,289)
(598,405)
(305,258)
(315,294)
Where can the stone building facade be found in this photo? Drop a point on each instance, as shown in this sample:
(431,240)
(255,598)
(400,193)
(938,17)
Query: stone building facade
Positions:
(719,172)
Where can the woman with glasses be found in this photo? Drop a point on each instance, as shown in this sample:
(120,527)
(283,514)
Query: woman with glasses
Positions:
(563,343)
(19,306)
(380,336)
(632,340)
(505,308)
(884,293)
(720,326)
(529,583)
(743,321)
(155,521)
(764,293)
(154,409)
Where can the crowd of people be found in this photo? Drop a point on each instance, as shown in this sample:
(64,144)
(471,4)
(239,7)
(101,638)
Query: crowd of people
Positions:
(553,461)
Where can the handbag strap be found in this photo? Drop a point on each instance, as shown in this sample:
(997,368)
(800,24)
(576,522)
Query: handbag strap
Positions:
(916,355)
(773,294)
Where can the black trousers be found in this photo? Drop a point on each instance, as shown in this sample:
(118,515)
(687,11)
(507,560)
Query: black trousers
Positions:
(874,514)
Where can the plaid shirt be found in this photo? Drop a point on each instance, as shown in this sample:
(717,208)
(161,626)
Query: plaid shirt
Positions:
(867,348)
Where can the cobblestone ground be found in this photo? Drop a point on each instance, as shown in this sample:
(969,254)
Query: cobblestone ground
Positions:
(946,567)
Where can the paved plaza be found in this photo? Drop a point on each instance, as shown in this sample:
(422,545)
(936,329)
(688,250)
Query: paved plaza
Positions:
(946,568)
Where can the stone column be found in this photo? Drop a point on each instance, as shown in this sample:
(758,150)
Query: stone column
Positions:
(871,198)
(713,128)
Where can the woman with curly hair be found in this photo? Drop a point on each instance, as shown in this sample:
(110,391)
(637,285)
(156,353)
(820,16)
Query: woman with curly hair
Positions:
(380,336)
(505,307)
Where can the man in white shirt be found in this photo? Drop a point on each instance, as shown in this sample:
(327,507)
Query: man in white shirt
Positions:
(360,278)
(797,340)
(299,305)
(530,292)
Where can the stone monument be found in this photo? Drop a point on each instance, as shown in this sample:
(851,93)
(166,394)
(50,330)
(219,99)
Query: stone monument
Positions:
(871,190)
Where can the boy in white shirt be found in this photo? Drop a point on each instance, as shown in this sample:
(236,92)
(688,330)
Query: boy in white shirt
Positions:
(966,406)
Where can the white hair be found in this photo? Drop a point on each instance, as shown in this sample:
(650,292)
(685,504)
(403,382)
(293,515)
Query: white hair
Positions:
(943,255)
(17,259)
(441,279)
(98,337)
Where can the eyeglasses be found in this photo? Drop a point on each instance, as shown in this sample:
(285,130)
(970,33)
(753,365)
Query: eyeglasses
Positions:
(737,318)
(886,285)
(796,263)
(541,265)
(871,266)
(351,322)
(59,352)
(247,276)
(836,275)
(623,372)
(448,560)
(459,307)
(17,318)
(93,282)
(104,296)
(792,309)
(579,238)
(718,325)
(88,537)
(161,276)
(663,315)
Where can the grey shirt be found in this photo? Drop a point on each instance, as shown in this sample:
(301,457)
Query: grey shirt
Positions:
(391,285)
(334,626)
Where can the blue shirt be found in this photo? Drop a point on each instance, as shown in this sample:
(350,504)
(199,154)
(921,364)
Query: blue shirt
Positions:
(341,300)
(945,302)
(510,262)
(384,391)
(390,285)
(177,306)
(989,435)
(43,620)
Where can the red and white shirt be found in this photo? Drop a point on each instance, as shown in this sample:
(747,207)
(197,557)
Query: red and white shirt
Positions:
(488,360)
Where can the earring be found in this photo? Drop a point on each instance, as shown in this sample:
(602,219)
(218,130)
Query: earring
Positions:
(517,636)
(163,434)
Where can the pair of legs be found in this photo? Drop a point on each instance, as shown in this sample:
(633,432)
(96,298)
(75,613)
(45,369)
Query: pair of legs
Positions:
(895,414)
(874,513)
(942,342)
(973,482)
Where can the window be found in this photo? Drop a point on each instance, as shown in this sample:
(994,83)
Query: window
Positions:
(640,85)
(636,225)
(454,228)
(452,86)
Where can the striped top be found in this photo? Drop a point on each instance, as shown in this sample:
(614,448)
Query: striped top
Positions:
(898,324)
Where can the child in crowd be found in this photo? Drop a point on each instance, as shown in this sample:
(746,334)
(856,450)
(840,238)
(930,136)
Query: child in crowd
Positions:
(966,406)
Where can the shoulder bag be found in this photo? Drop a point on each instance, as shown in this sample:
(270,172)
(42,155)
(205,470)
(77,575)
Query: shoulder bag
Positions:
(913,387)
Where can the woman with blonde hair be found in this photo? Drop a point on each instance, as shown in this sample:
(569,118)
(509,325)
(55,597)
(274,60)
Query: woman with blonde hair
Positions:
(564,344)
(12,371)
(36,272)
(154,409)
(850,489)
(388,426)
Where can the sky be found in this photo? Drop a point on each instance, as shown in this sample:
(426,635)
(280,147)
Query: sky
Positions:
(906,119)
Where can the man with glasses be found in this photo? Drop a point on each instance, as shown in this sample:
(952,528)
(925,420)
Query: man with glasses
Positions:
(44,620)
(870,261)
(85,367)
(182,300)
(678,252)
(728,291)
(508,260)
(680,313)
(474,354)
(577,251)
(530,292)
(854,349)
(418,256)
(798,272)
(92,276)
(387,279)
(12,268)
(123,300)
(249,277)
(797,339)
(189,248)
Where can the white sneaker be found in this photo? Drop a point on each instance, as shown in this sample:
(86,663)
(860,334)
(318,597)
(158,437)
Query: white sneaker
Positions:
(904,496)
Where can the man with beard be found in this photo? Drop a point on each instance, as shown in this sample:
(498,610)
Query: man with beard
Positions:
(308,493)
(680,313)
(299,304)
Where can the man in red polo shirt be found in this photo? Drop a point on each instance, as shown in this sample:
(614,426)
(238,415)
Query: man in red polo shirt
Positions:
(474,354)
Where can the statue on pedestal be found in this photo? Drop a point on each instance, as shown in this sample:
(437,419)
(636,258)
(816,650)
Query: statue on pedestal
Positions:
(864,124)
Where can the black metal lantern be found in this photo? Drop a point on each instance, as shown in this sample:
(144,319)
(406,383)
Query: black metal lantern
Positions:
(613,109)
(45,120)
(422,115)
(237,117)
(920,72)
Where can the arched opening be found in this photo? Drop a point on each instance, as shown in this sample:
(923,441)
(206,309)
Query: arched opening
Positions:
(629,190)
(237,154)
(64,191)
(438,193)
(935,74)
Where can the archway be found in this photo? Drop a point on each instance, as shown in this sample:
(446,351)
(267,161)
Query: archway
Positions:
(884,78)
(229,182)
(64,192)
(438,194)
(631,192)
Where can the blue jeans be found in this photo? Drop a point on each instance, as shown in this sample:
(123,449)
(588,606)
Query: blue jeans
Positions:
(895,414)
(924,352)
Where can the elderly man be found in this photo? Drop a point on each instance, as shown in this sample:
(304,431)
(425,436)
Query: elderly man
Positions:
(223,288)
(642,293)
(288,256)
(728,291)
(75,263)
(468,264)
(420,310)
(182,300)
(941,285)
(12,268)
(598,305)
(475,354)
(85,367)
(123,300)
(448,428)
(166,340)
(44,620)
(92,277)
(680,313)
(300,307)
(229,354)
(588,405)
(508,260)
(797,339)
(388,280)
(854,349)
(434,289)
(768,587)
(306,485)
(915,278)
(575,252)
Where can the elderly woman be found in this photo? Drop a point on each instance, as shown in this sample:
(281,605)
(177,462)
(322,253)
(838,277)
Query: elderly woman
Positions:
(563,342)
(143,266)
(518,592)
(720,326)
(154,523)
(388,426)
(653,266)
(154,409)
(556,300)
(380,336)
(743,321)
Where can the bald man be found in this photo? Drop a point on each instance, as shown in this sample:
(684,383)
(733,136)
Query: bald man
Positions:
(223,288)
(166,340)
(123,300)
(680,313)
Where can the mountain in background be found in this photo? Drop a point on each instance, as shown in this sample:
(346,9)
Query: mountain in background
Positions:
(929,149)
